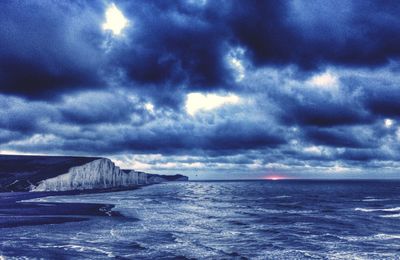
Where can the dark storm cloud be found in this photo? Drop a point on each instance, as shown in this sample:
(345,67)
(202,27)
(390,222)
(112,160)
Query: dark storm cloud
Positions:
(185,137)
(7,136)
(340,137)
(321,109)
(233,136)
(173,45)
(82,90)
(102,107)
(178,43)
(99,122)
(365,155)
(47,47)
(384,99)
(21,117)
(313,33)
(378,92)
(154,140)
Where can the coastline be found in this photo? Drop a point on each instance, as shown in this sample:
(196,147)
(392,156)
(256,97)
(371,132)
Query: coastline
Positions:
(16,210)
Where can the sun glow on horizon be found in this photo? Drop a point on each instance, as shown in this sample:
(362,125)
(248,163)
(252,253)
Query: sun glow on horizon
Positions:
(275,177)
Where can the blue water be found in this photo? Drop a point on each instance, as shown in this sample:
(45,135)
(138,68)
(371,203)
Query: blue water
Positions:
(225,220)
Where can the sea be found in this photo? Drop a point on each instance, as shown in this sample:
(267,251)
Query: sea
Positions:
(283,219)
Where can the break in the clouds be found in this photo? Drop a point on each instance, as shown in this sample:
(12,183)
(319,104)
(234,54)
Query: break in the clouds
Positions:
(215,89)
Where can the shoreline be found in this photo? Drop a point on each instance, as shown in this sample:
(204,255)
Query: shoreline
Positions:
(16,211)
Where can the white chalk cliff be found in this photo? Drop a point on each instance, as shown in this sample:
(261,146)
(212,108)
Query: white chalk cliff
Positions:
(98,174)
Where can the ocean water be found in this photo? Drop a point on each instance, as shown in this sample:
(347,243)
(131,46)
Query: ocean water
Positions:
(224,220)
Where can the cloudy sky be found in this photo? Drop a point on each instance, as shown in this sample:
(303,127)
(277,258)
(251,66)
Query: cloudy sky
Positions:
(212,89)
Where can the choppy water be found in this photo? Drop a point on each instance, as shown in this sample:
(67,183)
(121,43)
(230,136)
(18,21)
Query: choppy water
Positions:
(226,220)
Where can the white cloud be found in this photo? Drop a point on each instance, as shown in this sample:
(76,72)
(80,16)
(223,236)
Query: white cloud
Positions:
(326,79)
(237,65)
(37,139)
(388,123)
(149,107)
(198,2)
(14,152)
(338,168)
(115,20)
(316,150)
(198,101)
(234,59)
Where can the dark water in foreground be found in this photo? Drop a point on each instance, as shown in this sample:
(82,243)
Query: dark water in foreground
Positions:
(225,220)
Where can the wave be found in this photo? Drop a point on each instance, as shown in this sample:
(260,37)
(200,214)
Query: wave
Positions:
(387,236)
(391,216)
(366,210)
(372,200)
(380,236)
(282,197)
(277,211)
(80,248)
(372,209)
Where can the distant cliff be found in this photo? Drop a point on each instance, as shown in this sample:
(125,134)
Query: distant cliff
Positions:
(62,173)
(156,178)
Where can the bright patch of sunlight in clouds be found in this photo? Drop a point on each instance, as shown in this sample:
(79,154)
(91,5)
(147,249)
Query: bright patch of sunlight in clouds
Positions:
(326,79)
(149,107)
(388,123)
(198,101)
(115,20)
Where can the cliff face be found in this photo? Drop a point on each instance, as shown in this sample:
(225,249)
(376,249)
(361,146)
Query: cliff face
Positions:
(20,172)
(98,174)
(62,173)
(141,176)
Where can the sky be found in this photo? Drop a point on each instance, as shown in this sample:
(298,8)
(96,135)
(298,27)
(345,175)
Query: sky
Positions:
(210,89)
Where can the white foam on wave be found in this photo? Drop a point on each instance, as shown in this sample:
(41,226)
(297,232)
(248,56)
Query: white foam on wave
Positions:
(80,248)
(290,211)
(372,200)
(387,236)
(360,255)
(380,236)
(372,209)
(282,197)
(393,209)
(366,210)
(391,216)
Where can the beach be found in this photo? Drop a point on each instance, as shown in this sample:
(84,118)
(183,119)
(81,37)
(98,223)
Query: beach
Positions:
(14,212)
